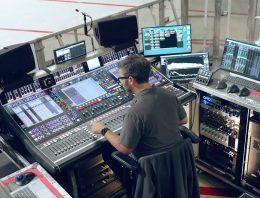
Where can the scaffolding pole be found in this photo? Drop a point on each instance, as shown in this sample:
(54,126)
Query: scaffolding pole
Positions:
(216,34)
(184,11)
(252,12)
(161,13)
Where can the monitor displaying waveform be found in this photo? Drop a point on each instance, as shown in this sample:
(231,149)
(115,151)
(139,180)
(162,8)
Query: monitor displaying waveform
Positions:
(183,71)
(186,66)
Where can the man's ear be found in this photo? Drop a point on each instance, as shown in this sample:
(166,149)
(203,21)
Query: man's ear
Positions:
(131,80)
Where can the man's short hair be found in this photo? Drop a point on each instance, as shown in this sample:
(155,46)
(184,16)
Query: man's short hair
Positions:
(137,67)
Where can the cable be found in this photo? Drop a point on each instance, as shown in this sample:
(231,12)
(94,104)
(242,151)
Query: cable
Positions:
(85,21)
(91,22)
(86,31)
(92,42)
(193,114)
(91,27)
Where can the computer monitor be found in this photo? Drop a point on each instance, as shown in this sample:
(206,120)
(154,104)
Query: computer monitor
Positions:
(69,52)
(166,40)
(185,66)
(242,58)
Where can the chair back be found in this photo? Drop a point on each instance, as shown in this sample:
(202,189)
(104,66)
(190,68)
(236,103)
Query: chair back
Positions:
(168,174)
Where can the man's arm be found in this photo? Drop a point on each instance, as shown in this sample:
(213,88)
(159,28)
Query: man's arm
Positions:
(112,137)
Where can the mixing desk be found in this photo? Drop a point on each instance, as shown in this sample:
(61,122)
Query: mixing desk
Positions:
(52,115)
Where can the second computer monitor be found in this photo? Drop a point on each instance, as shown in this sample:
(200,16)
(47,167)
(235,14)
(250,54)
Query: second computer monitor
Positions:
(185,66)
(242,58)
(166,40)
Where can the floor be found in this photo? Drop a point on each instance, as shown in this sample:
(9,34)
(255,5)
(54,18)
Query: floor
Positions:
(211,187)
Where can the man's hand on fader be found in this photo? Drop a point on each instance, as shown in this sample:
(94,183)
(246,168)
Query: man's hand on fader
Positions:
(96,127)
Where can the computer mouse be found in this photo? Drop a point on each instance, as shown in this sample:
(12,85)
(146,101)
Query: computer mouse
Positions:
(244,92)
(233,89)
(25,178)
(221,84)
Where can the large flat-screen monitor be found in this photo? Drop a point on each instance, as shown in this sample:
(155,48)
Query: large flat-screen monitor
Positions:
(37,110)
(69,52)
(83,91)
(166,40)
(242,58)
(184,66)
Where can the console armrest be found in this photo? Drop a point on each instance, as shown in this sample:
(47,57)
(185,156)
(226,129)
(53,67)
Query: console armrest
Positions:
(125,160)
(187,133)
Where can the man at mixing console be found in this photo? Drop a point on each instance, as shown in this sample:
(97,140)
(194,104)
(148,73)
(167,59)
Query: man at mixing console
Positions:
(151,124)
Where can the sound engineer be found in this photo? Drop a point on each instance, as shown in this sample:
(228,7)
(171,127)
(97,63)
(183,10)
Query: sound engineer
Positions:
(151,124)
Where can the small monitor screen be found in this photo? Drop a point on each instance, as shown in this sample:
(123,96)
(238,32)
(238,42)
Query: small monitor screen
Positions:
(36,111)
(83,91)
(242,58)
(165,40)
(93,63)
(70,52)
(186,66)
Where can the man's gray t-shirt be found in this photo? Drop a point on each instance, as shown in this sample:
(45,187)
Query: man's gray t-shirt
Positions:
(151,125)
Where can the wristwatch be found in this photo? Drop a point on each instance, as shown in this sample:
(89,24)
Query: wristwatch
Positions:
(104,131)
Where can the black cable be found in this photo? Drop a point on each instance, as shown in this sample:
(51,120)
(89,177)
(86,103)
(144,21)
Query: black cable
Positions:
(193,114)
(85,26)
(86,31)
(91,21)
(91,27)
(92,42)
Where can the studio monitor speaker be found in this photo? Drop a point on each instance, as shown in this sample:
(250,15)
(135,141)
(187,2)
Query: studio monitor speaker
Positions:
(117,30)
(16,61)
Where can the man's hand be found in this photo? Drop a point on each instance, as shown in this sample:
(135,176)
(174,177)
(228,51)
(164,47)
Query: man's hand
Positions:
(96,127)
(113,138)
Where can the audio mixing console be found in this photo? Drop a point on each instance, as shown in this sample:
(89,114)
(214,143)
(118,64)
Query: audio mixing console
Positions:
(52,115)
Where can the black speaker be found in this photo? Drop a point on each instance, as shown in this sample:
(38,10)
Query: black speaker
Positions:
(115,31)
(16,61)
